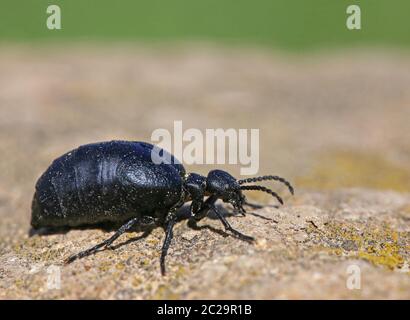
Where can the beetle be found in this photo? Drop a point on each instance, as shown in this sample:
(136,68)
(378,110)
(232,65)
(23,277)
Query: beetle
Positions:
(118,182)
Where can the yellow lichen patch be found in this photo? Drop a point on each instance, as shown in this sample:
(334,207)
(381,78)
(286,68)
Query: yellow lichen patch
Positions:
(120,266)
(38,249)
(356,169)
(136,281)
(104,266)
(52,255)
(180,272)
(19,283)
(35,242)
(145,262)
(131,235)
(164,292)
(377,245)
(388,256)
(153,241)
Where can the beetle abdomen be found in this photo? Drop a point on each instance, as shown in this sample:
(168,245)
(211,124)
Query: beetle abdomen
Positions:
(89,185)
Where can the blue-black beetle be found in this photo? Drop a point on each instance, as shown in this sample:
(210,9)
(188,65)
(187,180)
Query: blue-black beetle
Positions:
(118,182)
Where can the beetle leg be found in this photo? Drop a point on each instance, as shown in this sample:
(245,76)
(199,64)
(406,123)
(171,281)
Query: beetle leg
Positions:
(210,204)
(167,242)
(104,244)
(229,227)
(206,206)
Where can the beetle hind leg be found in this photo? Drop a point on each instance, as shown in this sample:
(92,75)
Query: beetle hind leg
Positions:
(106,243)
(167,242)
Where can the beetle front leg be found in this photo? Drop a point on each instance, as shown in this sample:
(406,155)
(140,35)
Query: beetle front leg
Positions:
(204,209)
(228,227)
(210,204)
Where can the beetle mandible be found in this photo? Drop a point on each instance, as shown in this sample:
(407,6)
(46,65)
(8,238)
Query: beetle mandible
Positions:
(118,182)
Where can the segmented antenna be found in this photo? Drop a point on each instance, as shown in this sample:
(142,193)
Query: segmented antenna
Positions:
(265,178)
(261,188)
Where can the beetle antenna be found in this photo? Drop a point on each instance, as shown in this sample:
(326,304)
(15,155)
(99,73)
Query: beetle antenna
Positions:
(261,188)
(265,178)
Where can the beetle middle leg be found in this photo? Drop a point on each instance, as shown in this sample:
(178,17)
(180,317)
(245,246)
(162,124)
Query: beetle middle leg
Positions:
(106,243)
(171,219)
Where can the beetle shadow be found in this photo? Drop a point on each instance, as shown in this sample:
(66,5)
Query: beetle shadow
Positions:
(184,214)
(106,227)
(145,234)
(146,230)
(260,206)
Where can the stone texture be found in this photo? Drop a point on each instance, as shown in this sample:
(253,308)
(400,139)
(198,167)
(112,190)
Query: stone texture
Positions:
(301,252)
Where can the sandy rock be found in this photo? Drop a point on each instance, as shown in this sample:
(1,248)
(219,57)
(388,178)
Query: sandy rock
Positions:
(305,253)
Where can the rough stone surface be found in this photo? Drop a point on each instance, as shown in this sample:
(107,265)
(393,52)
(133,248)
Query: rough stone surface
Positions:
(337,127)
(301,251)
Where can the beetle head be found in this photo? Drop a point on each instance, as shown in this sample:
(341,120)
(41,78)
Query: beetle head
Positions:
(225,187)
(221,184)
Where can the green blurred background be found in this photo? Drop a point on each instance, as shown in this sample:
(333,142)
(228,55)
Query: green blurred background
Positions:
(286,24)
